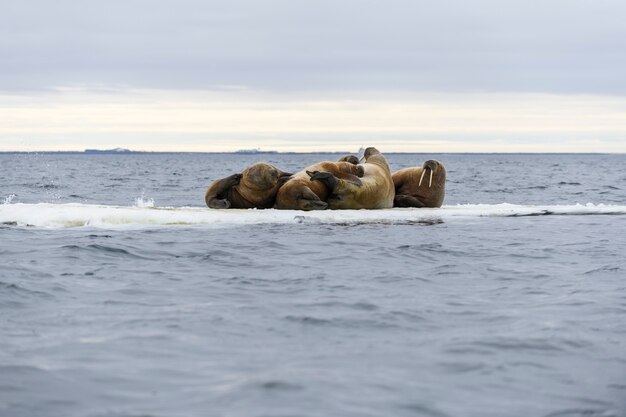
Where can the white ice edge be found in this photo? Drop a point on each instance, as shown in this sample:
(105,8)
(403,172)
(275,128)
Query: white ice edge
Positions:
(102,216)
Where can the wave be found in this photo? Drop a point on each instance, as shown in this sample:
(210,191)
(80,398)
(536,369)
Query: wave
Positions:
(103,216)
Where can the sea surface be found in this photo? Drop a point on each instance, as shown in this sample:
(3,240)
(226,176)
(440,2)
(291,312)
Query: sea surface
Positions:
(122,295)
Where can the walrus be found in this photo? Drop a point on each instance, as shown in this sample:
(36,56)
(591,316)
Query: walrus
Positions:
(423,186)
(372,190)
(300,193)
(255,187)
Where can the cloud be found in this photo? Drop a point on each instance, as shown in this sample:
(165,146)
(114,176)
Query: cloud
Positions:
(557,46)
(73,119)
(485,75)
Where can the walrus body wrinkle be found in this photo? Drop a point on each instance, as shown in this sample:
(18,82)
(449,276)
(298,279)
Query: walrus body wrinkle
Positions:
(300,193)
(423,186)
(255,187)
(374,190)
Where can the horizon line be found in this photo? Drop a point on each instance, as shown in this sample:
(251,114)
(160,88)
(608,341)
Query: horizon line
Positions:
(310,153)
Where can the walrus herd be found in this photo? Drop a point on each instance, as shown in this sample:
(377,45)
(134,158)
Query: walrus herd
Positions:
(344,184)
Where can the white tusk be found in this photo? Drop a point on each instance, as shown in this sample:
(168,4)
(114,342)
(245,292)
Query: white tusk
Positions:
(430,183)
(361,159)
(422,177)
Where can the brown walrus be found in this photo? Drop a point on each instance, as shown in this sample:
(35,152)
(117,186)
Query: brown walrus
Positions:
(423,186)
(373,190)
(300,193)
(255,187)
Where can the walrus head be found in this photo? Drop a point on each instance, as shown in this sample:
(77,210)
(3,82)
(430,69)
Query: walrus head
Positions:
(433,169)
(423,186)
(262,176)
(431,188)
(373,156)
(370,151)
(297,196)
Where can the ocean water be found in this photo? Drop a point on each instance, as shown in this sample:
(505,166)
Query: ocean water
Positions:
(122,295)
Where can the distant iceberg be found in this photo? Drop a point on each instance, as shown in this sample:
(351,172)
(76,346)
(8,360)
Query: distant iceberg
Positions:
(116,150)
(254,151)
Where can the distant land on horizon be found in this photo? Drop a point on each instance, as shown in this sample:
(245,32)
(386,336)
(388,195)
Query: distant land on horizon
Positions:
(115,150)
(124,151)
(256,151)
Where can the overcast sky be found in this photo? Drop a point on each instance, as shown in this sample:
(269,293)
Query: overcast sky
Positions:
(467,75)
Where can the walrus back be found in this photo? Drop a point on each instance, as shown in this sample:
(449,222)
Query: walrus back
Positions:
(300,193)
(379,190)
(299,184)
(376,190)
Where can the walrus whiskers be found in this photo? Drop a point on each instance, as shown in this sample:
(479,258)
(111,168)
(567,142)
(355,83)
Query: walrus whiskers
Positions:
(430,183)
(421,178)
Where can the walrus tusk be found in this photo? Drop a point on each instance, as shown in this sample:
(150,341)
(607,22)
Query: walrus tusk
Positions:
(430,183)
(422,177)
(361,159)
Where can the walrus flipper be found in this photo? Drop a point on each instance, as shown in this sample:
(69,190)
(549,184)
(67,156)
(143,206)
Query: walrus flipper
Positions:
(334,182)
(219,203)
(308,200)
(339,186)
(326,178)
(405,200)
(283,177)
(217,195)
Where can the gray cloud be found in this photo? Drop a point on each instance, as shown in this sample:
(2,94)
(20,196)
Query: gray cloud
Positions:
(556,46)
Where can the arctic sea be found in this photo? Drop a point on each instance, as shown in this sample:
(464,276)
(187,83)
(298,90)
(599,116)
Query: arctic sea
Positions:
(122,295)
